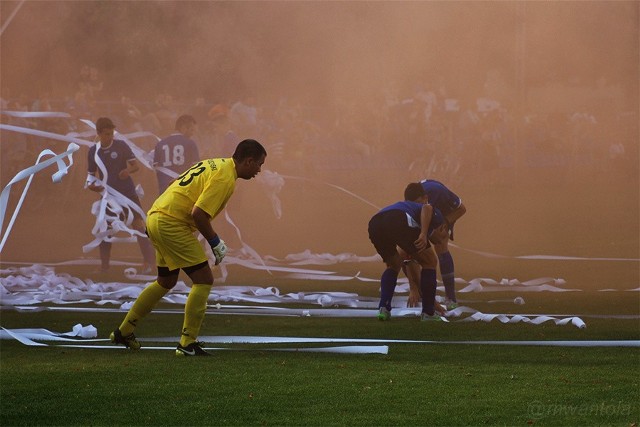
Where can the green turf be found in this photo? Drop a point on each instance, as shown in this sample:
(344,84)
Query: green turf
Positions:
(414,384)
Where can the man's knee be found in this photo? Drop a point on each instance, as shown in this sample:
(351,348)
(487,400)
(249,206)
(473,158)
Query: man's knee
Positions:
(200,273)
(394,262)
(167,278)
(426,258)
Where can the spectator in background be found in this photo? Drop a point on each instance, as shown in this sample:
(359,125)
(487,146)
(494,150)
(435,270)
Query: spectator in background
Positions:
(42,103)
(50,124)
(80,104)
(129,115)
(85,74)
(490,144)
(95,83)
(162,119)
(223,138)
(176,153)
(199,111)
(21,104)
(243,116)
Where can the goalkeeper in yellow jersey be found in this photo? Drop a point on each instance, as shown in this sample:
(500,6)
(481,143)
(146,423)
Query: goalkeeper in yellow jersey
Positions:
(187,205)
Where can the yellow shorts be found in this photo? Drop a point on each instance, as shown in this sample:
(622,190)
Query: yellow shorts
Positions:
(175,243)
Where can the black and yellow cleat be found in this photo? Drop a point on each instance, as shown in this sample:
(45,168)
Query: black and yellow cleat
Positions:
(193,349)
(129,341)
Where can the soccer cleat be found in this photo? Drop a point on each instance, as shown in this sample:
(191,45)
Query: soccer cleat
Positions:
(439,309)
(424,317)
(193,349)
(450,305)
(129,341)
(384,314)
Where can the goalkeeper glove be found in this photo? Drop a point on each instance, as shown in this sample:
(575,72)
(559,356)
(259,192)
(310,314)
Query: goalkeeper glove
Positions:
(219,248)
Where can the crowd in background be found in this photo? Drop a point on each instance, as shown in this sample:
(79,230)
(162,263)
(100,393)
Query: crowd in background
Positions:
(423,131)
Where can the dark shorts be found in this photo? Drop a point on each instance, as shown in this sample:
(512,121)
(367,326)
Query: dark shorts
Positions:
(390,229)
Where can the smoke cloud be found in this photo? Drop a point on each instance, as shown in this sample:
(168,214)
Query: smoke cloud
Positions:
(347,68)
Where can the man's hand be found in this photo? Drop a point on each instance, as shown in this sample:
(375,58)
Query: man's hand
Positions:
(96,188)
(421,242)
(219,248)
(414,299)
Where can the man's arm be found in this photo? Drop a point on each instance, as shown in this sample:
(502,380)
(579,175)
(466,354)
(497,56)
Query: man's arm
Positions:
(203,223)
(91,183)
(132,167)
(425,219)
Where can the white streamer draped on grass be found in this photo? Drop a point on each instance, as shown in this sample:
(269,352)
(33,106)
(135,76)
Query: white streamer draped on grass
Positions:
(27,288)
(34,338)
(84,336)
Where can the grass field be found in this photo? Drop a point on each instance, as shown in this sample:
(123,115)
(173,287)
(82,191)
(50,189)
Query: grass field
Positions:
(414,384)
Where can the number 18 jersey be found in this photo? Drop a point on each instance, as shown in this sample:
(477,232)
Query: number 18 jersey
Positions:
(208,185)
(175,152)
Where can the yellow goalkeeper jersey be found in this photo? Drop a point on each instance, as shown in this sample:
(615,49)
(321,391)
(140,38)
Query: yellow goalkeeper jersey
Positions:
(208,185)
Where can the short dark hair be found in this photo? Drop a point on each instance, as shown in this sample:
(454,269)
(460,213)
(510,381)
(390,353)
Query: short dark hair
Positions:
(249,148)
(184,120)
(104,123)
(414,191)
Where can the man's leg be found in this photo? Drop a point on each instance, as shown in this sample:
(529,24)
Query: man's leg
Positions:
(147,300)
(142,306)
(412,270)
(196,305)
(428,283)
(388,283)
(447,271)
(105,255)
(382,233)
(448,275)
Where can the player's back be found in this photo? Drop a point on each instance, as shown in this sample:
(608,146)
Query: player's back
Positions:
(440,196)
(207,184)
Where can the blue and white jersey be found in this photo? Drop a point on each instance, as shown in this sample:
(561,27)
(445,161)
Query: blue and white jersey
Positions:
(413,211)
(440,196)
(115,158)
(176,153)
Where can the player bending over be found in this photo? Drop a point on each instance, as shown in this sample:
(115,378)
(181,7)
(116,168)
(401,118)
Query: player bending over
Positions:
(409,225)
(189,204)
(451,207)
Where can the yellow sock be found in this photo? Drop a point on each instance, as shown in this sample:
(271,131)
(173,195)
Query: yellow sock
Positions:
(143,305)
(194,313)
